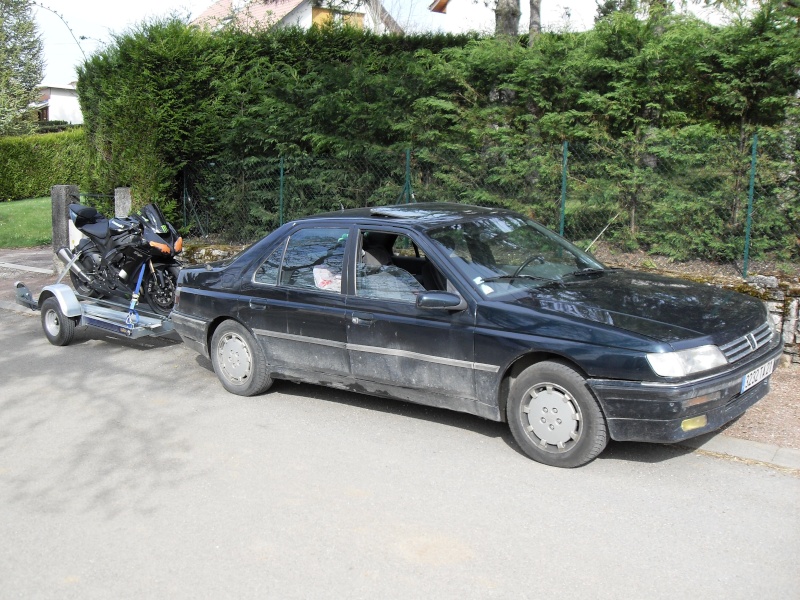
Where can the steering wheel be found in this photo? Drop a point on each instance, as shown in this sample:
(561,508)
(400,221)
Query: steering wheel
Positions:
(539,260)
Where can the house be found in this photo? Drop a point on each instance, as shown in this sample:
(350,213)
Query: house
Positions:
(59,103)
(369,14)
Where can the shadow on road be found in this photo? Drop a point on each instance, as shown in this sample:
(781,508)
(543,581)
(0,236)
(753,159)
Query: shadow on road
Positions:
(623,451)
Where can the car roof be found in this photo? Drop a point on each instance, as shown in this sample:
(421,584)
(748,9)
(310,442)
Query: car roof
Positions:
(422,215)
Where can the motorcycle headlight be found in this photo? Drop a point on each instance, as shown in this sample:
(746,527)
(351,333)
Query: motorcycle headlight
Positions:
(686,362)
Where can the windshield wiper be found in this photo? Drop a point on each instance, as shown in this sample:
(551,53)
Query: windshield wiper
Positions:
(513,277)
(589,271)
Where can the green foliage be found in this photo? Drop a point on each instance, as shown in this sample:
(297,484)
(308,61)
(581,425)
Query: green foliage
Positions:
(26,223)
(21,66)
(659,110)
(166,94)
(32,164)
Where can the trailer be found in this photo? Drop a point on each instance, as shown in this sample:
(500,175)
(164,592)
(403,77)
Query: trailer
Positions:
(62,311)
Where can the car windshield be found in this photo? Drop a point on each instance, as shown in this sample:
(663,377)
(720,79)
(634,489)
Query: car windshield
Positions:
(506,253)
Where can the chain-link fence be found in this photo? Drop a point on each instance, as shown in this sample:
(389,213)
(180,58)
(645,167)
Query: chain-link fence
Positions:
(690,197)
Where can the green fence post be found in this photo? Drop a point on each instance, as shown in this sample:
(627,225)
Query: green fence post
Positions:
(185,192)
(750,206)
(407,188)
(280,197)
(563,187)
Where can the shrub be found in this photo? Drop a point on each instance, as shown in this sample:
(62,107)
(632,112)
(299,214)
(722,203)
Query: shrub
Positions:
(32,164)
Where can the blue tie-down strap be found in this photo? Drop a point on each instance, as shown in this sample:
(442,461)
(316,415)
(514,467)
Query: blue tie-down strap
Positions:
(133,316)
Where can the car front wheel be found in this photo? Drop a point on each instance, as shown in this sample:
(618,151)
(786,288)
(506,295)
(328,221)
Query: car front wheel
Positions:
(554,417)
(239,360)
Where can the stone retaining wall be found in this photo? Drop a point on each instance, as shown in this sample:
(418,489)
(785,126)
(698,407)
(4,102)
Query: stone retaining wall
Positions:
(783,299)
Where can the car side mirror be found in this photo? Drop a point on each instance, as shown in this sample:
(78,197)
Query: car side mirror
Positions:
(440,301)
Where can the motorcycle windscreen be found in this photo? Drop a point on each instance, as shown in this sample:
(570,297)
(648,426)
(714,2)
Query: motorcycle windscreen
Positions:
(155,218)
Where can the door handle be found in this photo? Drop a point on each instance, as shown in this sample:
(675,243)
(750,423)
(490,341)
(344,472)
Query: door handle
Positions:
(362,318)
(257,305)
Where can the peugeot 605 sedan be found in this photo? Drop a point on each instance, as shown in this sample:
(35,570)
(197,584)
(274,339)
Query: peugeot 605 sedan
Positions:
(482,311)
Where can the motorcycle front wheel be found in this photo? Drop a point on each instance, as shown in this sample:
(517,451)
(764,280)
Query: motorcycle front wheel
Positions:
(159,289)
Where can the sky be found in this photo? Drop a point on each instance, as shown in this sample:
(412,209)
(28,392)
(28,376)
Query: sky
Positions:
(93,21)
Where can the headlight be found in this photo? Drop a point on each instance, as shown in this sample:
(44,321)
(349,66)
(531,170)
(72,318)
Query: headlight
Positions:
(686,362)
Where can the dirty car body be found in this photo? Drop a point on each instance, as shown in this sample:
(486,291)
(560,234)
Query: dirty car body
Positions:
(482,311)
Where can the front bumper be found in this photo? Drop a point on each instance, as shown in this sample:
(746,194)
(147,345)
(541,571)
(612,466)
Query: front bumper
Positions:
(649,412)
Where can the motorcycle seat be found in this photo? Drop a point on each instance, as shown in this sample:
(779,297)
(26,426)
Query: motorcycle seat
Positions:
(83,215)
(98,229)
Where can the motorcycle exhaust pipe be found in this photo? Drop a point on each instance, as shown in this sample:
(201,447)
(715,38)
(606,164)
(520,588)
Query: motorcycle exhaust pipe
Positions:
(68,259)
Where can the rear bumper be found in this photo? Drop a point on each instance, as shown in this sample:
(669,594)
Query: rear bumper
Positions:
(638,411)
(193,331)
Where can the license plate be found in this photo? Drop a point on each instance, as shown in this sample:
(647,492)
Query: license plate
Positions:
(756,375)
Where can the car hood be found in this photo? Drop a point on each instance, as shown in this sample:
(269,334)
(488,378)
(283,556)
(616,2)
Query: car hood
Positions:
(661,308)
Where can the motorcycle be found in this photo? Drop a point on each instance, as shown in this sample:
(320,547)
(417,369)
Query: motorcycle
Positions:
(124,257)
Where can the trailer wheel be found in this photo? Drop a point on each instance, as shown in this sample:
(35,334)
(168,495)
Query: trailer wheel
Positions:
(58,329)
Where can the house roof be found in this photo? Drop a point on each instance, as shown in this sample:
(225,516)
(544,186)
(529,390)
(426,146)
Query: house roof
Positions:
(260,11)
(58,86)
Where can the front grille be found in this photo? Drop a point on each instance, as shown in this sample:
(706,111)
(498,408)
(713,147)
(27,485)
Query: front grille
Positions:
(747,344)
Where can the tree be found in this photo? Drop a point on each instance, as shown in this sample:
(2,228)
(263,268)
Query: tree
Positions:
(506,17)
(535,21)
(21,66)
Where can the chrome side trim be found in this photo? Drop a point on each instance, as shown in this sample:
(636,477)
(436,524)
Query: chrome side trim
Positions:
(451,362)
(300,338)
(182,317)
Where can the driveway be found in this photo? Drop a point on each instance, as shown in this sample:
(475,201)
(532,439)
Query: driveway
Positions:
(126,471)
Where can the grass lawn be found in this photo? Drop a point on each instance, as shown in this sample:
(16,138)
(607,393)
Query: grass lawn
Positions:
(26,223)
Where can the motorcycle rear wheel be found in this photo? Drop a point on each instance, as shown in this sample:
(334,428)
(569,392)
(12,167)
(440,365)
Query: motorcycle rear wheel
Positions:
(78,284)
(159,290)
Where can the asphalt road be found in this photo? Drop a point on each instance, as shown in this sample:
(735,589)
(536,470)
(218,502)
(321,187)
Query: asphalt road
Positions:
(126,471)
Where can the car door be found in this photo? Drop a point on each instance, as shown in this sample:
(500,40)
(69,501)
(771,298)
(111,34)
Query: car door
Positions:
(417,354)
(296,307)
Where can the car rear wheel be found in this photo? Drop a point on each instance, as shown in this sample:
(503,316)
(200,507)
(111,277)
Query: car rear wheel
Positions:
(554,417)
(239,360)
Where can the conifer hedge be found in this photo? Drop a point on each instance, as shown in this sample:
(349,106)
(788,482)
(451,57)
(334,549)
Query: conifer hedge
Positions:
(165,95)
(32,164)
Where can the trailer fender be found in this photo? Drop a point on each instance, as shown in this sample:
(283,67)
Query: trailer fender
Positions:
(65,296)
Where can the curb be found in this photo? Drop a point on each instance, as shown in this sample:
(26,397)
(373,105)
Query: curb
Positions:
(14,267)
(716,443)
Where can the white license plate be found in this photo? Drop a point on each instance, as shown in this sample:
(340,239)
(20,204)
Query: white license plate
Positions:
(756,375)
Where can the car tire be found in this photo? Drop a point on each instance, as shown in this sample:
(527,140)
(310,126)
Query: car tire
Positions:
(58,328)
(554,417)
(239,360)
